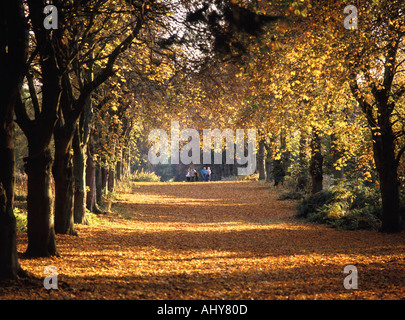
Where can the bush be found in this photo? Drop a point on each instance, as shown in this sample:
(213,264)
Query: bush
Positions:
(291,195)
(343,207)
(313,203)
(144,176)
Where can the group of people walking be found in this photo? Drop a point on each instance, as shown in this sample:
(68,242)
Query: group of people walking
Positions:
(192,174)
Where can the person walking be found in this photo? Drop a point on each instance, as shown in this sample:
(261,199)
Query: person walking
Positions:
(204,173)
(208,175)
(195,175)
(188,175)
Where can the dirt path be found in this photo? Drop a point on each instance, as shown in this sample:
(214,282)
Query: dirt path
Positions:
(217,240)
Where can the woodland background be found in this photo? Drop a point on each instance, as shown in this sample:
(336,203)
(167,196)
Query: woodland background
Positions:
(77,104)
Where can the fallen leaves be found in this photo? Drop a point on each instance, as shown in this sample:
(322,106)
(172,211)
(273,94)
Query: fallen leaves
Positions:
(217,240)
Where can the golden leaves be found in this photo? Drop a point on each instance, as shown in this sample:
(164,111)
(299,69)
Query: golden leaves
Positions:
(217,240)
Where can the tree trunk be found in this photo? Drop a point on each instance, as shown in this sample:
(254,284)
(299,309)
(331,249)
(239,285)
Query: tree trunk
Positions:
(40,219)
(79,172)
(111,179)
(118,170)
(302,178)
(63,175)
(90,181)
(99,184)
(104,179)
(285,154)
(384,158)
(268,161)
(13,32)
(315,167)
(91,196)
(261,160)
(9,266)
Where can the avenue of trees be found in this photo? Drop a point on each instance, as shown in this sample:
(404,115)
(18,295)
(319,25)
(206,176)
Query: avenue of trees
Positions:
(325,100)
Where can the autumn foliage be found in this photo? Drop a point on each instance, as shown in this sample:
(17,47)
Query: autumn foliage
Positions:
(217,240)
(326,103)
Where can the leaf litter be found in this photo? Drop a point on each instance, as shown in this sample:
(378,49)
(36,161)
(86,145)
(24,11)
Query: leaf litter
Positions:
(216,240)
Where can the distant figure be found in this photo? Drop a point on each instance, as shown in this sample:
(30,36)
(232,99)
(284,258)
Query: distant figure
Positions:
(195,175)
(208,175)
(188,175)
(204,173)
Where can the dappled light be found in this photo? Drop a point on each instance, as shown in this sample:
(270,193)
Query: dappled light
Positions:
(194,248)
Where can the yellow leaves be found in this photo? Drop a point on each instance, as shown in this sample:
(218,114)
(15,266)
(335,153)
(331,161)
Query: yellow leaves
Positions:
(217,240)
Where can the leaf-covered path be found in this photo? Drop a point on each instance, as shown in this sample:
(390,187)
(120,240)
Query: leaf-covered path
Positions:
(216,240)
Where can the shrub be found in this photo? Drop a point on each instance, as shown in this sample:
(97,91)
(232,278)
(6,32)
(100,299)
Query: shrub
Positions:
(144,176)
(313,203)
(343,207)
(291,195)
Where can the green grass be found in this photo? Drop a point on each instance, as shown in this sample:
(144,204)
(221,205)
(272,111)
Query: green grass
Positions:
(21,220)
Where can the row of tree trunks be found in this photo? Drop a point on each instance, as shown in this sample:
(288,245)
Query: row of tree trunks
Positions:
(265,162)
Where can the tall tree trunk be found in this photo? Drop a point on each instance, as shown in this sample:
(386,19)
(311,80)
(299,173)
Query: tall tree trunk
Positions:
(302,179)
(118,170)
(316,164)
(38,164)
(261,160)
(380,118)
(104,179)
(40,219)
(13,49)
(99,184)
(91,199)
(268,162)
(80,143)
(285,154)
(384,158)
(63,175)
(79,172)
(91,196)
(111,178)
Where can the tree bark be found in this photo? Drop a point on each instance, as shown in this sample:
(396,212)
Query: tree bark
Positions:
(13,50)
(99,184)
(63,176)
(316,164)
(261,160)
(40,219)
(384,158)
(302,178)
(79,172)
(268,162)
(91,196)
(41,233)
(111,179)
(90,180)
(104,179)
